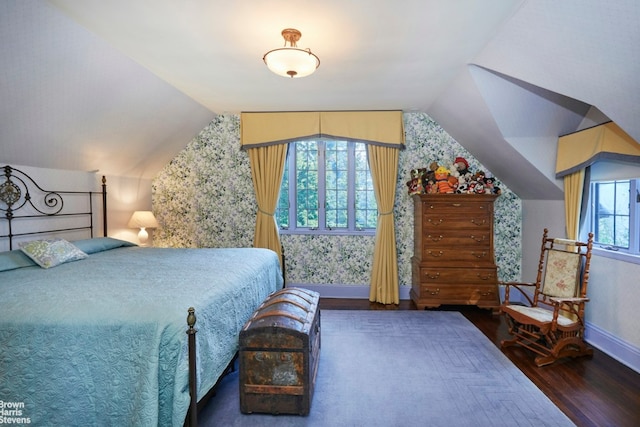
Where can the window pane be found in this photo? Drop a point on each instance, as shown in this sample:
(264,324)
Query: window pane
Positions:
(307,184)
(621,237)
(282,211)
(365,203)
(336,184)
(604,231)
(606,198)
(622,197)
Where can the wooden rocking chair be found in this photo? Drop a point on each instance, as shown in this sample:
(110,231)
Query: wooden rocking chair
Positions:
(552,325)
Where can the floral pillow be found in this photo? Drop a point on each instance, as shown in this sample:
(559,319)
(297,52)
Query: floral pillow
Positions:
(52,252)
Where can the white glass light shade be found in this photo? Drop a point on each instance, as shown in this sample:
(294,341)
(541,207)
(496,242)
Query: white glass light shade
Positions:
(291,62)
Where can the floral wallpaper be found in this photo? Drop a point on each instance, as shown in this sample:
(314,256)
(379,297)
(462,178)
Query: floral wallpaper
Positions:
(204,198)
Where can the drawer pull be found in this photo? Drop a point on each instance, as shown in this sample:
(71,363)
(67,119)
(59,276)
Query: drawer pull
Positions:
(477,239)
(434,238)
(457,205)
(486,294)
(432,276)
(481,255)
(435,255)
(436,292)
(435,222)
(479,222)
(487,277)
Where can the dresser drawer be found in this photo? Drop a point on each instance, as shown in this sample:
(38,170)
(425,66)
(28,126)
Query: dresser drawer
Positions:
(457,238)
(462,205)
(452,257)
(434,221)
(458,276)
(459,294)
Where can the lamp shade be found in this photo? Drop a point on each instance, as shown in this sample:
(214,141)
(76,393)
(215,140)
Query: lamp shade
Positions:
(291,61)
(143,219)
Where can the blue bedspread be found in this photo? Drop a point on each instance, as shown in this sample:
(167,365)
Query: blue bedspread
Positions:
(102,341)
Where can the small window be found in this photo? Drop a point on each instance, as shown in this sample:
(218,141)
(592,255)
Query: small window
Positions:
(327,188)
(614,215)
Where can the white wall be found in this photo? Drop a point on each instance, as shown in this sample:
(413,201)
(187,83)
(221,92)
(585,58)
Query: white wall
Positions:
(614,289)
(536,216)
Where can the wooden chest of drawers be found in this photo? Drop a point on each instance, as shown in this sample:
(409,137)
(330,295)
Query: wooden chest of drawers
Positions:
(279,354)
(453,260)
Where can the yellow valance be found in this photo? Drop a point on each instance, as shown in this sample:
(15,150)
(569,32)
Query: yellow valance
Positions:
(374,127)
(580,149)
(259,129)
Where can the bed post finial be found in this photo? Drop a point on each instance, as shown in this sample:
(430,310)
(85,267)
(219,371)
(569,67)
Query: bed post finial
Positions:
(192,415)
(191,319)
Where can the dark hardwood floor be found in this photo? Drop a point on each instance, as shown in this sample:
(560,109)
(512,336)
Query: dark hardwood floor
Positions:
(597,391)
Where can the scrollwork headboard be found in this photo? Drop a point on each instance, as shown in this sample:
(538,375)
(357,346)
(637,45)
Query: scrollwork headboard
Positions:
(23,200)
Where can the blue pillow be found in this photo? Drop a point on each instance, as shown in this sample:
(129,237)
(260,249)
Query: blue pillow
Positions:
(99,244)
(11,260)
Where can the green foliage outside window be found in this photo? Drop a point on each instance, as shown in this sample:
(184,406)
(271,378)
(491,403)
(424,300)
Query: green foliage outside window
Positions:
(332,181)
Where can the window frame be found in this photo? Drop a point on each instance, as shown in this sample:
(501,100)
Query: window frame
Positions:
(290,166)
(632,253)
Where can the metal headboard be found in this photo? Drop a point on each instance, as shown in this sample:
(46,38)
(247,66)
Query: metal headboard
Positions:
(22,198)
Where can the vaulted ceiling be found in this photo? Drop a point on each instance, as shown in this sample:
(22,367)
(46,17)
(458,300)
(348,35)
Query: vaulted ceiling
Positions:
(123,85)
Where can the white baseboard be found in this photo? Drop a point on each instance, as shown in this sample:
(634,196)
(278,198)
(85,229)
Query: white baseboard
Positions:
(347,291)
(620,350)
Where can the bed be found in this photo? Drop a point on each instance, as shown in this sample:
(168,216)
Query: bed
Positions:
(99,339)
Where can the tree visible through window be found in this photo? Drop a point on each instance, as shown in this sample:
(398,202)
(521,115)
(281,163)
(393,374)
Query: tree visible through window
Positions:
(327,188)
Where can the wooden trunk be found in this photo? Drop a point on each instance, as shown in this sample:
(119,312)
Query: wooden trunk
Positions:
(279,352)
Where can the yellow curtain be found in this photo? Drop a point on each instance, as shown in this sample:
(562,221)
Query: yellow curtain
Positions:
(267,168)
(573,189)
(383,162)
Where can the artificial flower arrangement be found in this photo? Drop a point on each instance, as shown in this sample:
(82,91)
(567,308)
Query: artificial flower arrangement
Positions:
(456,179)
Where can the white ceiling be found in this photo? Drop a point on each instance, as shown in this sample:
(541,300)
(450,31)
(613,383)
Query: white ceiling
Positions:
(123,85)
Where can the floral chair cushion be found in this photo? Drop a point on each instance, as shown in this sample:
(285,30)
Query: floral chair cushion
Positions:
(562,274)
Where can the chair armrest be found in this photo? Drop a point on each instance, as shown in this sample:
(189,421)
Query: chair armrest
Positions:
(570,305)
(518,286)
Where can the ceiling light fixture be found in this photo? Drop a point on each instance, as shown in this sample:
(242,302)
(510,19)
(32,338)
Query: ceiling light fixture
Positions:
(291,61)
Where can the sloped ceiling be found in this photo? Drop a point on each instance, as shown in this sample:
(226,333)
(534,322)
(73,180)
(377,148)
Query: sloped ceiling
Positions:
(123,85)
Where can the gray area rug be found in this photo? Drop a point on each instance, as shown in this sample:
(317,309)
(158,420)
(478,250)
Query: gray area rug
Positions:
(404,368)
